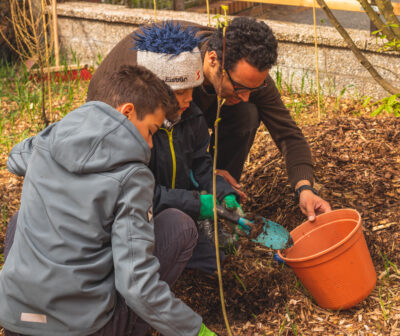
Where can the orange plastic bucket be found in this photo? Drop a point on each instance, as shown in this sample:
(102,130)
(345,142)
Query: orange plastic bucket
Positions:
(331,259)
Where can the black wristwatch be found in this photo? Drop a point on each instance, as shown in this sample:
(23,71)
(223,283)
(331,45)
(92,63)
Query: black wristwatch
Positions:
(300,189)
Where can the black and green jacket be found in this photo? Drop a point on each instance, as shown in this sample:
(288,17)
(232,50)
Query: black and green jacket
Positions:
(178,152)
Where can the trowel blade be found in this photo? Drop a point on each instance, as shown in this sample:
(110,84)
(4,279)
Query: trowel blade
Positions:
(274,236)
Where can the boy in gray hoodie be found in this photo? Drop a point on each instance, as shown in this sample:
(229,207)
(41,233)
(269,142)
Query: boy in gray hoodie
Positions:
(87,258)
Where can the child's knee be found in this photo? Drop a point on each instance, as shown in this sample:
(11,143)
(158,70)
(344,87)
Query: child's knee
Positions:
(178,226)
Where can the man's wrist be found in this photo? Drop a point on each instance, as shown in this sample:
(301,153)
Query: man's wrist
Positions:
(303,187)
(300,183)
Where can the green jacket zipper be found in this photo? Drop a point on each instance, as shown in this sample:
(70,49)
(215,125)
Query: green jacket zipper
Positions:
(171,145)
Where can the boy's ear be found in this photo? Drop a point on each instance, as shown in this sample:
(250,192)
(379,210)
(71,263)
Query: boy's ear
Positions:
(128,110)
(212,58)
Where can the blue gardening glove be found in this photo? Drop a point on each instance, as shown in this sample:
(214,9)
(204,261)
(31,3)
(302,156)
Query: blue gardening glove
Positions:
(206,207)
(204,331)
(232,204)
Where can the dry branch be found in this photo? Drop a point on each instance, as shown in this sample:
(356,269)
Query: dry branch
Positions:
(359,55)
(376,20)
(386,8)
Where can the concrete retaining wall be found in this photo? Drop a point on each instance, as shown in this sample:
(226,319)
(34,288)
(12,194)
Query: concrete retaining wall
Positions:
(90,30)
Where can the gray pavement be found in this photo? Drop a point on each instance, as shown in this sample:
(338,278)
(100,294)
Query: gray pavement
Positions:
(351,20)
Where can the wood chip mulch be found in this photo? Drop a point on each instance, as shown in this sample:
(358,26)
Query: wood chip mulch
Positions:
(357,165)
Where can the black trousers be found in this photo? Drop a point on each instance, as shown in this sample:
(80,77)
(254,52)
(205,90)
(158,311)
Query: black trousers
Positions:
(236,132)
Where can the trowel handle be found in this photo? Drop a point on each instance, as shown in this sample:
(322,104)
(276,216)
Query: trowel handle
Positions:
(226,214)
(233,217)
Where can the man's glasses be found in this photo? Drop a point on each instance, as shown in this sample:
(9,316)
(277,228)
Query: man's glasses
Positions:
(239,88)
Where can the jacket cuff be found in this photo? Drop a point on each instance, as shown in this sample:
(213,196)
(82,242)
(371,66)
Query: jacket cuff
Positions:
(224,188)
(192,205)
(301,172)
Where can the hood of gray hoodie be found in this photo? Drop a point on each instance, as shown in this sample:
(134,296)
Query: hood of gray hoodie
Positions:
(96,138)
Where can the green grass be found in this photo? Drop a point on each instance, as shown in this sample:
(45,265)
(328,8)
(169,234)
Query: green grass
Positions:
(282,328)
(21,102)
(385,306)
(292,321)
(300,96)
(240,281)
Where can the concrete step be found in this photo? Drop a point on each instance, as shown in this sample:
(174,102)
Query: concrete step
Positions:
(234,7)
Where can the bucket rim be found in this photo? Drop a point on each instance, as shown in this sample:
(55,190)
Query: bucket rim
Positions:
(331,248)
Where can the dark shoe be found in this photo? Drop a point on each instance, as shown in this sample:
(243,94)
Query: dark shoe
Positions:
(206,228)
(227,242)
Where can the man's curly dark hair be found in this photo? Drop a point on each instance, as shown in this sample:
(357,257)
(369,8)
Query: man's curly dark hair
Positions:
(249,39)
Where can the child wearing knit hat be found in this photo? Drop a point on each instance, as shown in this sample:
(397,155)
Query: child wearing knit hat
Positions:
(180,160)
(172,53)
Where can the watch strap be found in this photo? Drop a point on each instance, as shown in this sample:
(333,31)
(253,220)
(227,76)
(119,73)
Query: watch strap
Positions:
(300,189)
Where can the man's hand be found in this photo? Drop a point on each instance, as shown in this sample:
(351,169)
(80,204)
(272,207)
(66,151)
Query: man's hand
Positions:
(232,181)
(311,204)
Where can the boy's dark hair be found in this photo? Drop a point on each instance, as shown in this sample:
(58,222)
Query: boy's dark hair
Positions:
(139,86)
(248,39)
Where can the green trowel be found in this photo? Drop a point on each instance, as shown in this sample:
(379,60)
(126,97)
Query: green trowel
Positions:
(272,235)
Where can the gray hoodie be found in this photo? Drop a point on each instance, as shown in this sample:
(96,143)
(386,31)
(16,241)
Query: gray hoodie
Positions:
(85,230)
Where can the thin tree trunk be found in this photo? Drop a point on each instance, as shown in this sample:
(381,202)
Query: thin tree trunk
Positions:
(386,8)
(179,5)
(376,20)
(5,27)
(363,60)
(41,65)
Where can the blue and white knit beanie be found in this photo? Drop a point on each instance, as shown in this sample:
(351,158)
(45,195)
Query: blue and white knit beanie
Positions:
(171,52)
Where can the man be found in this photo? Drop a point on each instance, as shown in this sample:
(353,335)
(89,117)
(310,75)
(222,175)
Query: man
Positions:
(251,96)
